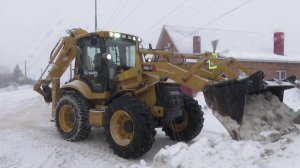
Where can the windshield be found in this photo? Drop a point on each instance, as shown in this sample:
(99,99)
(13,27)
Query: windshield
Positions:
(99,72)
(123,52)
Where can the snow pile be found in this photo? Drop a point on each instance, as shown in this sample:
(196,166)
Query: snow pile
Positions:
(266,117)
(212,151)
(268,135)
(209,152)
(162,158)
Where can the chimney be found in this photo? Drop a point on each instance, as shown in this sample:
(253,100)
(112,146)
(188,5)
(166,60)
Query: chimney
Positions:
(279,43)
(196,44)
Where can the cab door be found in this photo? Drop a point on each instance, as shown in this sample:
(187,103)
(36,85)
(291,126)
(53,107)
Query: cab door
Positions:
(90,63)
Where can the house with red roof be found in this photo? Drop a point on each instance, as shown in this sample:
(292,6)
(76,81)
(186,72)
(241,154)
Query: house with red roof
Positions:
(257,51)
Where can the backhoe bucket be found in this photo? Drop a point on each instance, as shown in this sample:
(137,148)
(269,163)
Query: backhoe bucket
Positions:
(228,97)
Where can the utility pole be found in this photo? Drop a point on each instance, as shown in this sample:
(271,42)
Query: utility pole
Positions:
(25,70)
(95,15)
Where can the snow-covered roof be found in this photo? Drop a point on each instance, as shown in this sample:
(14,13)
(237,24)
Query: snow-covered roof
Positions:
(262,57)
(238,44)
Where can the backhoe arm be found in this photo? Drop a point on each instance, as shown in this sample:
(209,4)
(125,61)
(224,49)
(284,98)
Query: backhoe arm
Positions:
(194,75)
(61,57)
(223,89)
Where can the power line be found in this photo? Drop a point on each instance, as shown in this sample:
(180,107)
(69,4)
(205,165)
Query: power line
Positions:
(200,11)
(188,7)
(131,12)
(107,22)
(218,18)
(218,29)
(95,15)
(235,31)
(116,11)
(162,18)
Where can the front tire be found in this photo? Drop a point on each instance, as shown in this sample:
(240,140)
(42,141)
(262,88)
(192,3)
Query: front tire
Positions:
(72,117)
(129,127)
(189,125)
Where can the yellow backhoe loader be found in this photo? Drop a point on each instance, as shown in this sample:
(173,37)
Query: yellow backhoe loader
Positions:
(116,86)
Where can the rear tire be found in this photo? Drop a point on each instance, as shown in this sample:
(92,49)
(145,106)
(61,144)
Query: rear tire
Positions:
(188,126)
(72,120)
(129,127)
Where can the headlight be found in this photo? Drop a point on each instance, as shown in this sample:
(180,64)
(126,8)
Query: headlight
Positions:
(117,35)
(108,56)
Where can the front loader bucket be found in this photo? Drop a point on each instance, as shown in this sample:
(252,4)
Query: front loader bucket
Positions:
(228,97)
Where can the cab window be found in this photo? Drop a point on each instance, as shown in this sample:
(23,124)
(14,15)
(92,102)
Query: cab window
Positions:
(123,52)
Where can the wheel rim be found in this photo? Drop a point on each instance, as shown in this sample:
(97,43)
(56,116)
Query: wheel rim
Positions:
(178,127)
(119,133)
(66,118)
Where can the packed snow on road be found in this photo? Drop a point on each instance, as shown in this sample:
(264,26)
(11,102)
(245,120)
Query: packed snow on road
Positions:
(30,139)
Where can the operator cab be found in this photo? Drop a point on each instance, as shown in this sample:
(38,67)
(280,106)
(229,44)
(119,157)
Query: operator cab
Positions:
(101,58)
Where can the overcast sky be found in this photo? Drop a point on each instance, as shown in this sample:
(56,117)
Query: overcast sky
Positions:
(30,28)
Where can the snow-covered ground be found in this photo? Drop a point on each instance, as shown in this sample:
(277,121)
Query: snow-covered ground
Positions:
(29,139)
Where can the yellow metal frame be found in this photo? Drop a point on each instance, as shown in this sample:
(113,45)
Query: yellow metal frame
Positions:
(85,90)
(195,75)
(96,118)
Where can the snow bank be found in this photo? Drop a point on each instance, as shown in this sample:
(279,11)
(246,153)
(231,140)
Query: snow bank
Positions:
(214,151)
(267,141)
(209,152)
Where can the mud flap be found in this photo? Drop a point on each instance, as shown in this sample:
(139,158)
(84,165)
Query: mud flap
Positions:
(227,99)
